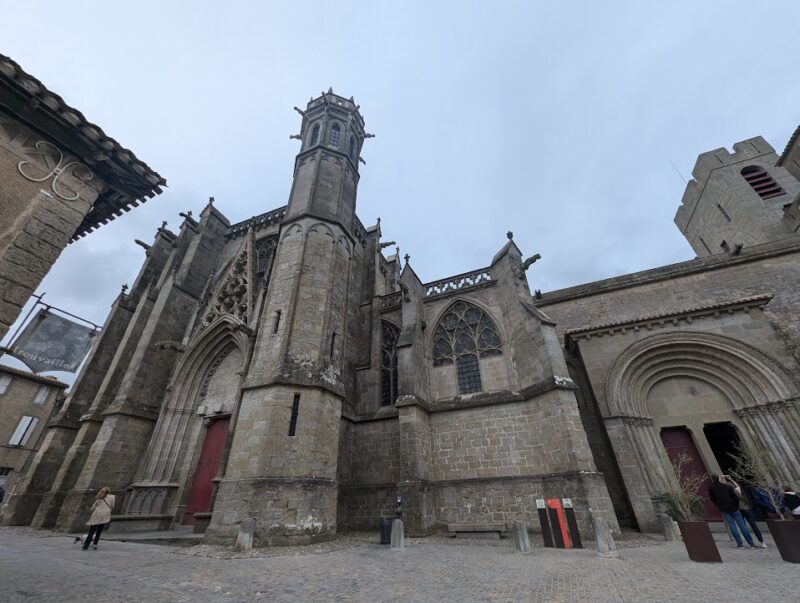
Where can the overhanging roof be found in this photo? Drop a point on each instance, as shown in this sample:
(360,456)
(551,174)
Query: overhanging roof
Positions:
(130,181)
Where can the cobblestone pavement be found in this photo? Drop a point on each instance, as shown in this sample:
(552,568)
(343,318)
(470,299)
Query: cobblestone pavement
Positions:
(42,566)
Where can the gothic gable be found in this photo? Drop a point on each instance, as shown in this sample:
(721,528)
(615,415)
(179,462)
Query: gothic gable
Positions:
(233,295)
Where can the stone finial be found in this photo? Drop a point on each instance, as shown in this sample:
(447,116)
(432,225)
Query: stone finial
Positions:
(124,288)
(211,200)
(406,257)
(378,220)
(163,225)
(397,251)
(330,90)
(510,235)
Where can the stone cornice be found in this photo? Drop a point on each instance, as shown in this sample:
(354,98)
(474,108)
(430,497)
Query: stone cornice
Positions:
(744,304)
(789,245)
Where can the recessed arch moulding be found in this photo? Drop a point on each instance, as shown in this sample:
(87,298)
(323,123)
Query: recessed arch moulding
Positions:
(761,396)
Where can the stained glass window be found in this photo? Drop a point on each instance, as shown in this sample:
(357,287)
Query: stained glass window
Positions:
(334,137)
(389,335)
(314,135)
(465,333)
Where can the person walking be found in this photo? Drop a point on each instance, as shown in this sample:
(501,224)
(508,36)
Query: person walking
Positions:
(724,498)
(101,516)
(792,501)
(746,509)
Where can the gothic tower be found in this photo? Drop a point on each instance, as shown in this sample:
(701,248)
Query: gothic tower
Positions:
(282,465)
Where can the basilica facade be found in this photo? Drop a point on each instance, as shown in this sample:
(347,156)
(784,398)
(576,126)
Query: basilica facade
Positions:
(292,370)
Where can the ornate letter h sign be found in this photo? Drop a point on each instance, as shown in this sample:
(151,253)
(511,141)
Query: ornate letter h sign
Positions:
(46,151)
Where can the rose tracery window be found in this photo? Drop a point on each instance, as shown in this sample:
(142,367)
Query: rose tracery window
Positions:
(389,336)
(464,335)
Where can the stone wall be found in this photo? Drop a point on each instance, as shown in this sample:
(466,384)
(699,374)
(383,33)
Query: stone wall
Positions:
(41,211)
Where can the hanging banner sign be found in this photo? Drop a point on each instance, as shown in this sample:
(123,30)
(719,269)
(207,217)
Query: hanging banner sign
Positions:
(51,342)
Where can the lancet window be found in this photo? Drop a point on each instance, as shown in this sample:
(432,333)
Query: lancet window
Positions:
(464,335)
(314,135)
(334,137)
(352,148)
(389,336)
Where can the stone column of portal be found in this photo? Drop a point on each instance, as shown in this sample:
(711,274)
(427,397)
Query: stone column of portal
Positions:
(282,465)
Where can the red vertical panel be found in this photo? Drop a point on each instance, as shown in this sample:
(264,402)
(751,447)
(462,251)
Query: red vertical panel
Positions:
(206,470)
(677,440)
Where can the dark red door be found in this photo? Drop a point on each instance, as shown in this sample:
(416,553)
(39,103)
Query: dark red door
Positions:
(206,470)
(677,440)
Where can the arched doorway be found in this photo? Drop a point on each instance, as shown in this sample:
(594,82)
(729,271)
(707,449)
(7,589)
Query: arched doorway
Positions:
(202,490)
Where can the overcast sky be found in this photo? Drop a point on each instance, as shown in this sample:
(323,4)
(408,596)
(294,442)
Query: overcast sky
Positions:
(555,120)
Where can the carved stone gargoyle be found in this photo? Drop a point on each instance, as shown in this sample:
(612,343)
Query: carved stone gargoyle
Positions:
(519,270)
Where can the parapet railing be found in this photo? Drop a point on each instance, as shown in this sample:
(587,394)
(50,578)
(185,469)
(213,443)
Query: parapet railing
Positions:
(468,280)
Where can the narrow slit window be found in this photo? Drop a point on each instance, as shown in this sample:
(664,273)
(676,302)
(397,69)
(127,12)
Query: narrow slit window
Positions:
(724,213)
(293,419)
(314,135)
(708,249)
(725,247)
(333,344)
(761,182)
(276,322)
(352,149)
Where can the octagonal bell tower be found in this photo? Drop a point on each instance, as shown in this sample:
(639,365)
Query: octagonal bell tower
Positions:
(282,466)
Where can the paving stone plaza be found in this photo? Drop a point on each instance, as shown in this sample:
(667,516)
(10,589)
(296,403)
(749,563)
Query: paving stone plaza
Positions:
(44,566)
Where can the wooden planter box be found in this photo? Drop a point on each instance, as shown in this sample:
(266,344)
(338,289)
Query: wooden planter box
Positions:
(699,542)
(786,533)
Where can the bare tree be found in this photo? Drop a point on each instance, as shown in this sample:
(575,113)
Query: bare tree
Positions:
(684,502)
(756,465)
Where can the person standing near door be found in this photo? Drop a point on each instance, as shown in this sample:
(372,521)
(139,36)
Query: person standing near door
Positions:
(723,496)
(746,509)
(101,515)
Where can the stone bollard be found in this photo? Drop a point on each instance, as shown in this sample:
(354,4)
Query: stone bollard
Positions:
(398,539)
(606,547)
(247,529)
(669,528)
(522,544)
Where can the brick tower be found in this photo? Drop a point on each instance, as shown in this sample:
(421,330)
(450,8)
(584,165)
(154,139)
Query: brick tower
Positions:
(282,466)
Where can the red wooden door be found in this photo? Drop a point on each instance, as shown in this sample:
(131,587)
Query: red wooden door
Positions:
(677,440)
(206,470)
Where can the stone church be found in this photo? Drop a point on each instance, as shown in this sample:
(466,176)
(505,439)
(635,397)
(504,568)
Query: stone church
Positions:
(287,369)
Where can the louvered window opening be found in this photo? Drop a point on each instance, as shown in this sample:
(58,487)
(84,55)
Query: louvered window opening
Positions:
(464,335)
(761,182)
(389,336)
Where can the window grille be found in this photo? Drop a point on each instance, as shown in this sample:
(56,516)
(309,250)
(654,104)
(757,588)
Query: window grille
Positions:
(389,336)
(464,334)
(314,135)
(761,182)
(334,137)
